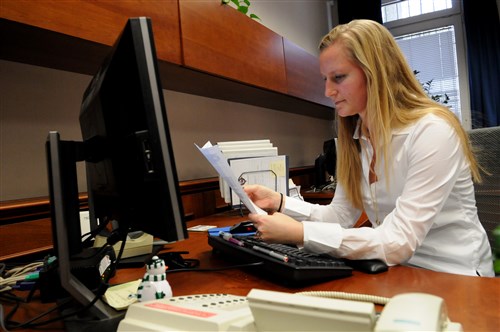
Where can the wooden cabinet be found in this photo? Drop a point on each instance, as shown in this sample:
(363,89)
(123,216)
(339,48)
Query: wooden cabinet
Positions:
(203,47)
(99,21)
(222,41)
(304,79)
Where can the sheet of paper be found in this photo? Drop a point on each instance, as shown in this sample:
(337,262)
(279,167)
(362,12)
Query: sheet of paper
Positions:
(121,296)
(219,162)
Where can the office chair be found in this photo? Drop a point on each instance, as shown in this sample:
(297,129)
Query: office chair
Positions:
(486,144)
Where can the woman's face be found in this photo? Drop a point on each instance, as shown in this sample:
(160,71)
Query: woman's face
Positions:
(345,81)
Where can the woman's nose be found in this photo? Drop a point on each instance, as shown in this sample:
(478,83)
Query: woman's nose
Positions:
(330,90)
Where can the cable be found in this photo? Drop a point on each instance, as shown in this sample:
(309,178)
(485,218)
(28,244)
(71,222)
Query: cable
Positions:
(29,323)
(76,312)
(5,318)
(16,274)
(348,296)
(2,325)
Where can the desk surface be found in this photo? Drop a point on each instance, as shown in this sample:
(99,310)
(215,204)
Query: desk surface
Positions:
(472,301)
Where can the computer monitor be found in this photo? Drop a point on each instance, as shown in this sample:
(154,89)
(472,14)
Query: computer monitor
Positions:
(330,152)
(130,165)
(325,165)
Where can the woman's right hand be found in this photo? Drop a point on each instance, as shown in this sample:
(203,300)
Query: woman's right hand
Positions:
(278,228)
(264,197)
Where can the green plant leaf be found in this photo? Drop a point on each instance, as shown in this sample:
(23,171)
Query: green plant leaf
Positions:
(241,6)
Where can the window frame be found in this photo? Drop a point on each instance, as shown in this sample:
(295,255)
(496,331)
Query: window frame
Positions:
(447,17)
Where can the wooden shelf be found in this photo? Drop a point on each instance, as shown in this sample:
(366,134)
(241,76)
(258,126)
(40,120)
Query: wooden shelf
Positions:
(304,79)
(98,21)
(197,52)
(222,41)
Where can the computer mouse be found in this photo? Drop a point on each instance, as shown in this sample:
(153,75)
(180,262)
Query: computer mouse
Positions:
(243,227)
(371,266)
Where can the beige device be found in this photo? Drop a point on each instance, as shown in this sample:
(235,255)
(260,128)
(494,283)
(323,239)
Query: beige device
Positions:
(264,310)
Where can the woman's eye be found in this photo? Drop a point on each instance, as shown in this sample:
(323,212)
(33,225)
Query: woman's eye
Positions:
(338,78)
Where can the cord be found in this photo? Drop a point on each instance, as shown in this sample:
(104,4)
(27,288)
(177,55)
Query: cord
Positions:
(348,296)
(31,323)
(2,325)
(16,274)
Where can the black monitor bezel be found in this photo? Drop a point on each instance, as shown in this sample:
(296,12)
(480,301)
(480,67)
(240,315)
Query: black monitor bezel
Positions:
(62,157)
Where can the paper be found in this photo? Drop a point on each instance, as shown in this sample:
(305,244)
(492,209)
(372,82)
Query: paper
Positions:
(243,149)
(123,295)
(219,162)
(201,228)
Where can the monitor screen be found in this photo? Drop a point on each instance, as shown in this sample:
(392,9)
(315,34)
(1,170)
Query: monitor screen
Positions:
(130,166)
(325,166)
(330,152)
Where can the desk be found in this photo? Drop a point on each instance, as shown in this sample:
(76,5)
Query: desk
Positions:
(472,301)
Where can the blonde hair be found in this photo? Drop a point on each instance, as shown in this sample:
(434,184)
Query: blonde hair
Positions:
(395,99)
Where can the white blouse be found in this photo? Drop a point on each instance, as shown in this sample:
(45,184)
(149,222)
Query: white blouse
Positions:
(426,213)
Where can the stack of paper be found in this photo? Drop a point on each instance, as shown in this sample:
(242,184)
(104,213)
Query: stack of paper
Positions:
(254,162)
(219,162)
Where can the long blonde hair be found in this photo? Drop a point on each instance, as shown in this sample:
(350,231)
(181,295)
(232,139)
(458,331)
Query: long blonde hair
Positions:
(395,99)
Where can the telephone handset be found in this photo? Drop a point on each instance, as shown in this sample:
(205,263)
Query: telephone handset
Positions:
(264,310)
(415,312)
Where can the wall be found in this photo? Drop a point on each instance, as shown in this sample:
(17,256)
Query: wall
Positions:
(302,22)
(35,100)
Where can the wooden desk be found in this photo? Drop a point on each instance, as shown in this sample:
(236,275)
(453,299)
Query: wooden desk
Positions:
(472,301)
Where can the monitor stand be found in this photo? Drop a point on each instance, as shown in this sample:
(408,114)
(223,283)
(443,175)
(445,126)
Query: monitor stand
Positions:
(62,157)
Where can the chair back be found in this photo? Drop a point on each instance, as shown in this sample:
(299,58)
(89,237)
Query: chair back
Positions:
(486,144)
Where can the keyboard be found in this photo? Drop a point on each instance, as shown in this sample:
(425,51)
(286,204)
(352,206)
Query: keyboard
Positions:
(288,264)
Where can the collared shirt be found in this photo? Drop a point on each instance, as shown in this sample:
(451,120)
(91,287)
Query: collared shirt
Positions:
(423,215)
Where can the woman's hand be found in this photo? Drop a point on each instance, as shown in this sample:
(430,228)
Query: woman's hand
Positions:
(278,228)
(264,197)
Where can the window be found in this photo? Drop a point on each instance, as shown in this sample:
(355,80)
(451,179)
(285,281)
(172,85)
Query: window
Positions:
(430,35)
(438,65)
(397,10)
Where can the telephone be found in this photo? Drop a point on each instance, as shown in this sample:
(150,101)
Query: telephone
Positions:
(263,310)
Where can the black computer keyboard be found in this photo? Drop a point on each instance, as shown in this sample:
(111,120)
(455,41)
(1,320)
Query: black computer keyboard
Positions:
(283,262)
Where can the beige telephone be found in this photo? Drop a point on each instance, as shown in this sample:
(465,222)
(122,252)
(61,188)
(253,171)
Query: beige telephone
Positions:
(415,312)
(264,310)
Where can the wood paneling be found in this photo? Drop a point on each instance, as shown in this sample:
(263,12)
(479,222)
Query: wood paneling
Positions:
(100,21)
(304,79)
(220,40)
(226,55)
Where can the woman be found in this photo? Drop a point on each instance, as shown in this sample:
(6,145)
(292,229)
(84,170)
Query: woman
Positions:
(402,158)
